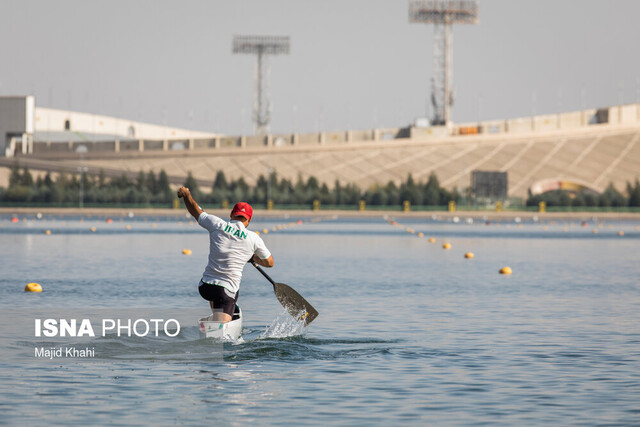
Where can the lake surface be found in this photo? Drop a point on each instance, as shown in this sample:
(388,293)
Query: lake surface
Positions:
(408,333)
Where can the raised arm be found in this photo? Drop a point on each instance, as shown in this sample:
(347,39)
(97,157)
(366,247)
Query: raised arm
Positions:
(191,204)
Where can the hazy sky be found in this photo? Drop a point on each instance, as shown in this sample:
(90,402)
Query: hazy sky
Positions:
(353,64)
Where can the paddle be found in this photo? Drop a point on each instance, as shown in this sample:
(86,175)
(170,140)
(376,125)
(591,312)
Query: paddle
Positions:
(297,306)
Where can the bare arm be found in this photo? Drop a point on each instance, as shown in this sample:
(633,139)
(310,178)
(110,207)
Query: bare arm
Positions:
(263,262)
(191,204)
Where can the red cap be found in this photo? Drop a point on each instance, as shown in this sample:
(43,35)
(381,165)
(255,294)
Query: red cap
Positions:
(242,209)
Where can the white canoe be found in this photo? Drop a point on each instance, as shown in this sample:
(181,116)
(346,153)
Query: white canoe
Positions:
(229,330)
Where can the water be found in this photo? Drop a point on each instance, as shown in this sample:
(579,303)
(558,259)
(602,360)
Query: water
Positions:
(408,333)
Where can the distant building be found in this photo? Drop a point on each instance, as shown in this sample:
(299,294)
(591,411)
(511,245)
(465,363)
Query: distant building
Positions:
(17,122)
(22,123)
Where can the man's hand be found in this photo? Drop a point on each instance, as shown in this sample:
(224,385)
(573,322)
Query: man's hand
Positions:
(183,192)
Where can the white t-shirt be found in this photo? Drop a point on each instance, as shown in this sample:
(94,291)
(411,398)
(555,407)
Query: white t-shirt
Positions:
(231,245)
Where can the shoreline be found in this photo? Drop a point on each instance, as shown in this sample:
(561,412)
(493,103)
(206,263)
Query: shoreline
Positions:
(279,213)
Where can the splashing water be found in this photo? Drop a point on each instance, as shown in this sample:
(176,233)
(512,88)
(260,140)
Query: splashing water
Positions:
(284,325)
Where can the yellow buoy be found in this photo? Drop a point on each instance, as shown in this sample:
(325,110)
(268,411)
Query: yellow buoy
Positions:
(186,252)
(93,229)
(446,246)
(47,232)
(620,233)
(506,270)
(257,232)
(469,255)
(265,231)
(420,235)
(33,287)
(432,240)
(595,231)
(128,227)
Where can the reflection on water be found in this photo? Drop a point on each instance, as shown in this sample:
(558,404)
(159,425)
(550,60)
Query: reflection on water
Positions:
(408,332)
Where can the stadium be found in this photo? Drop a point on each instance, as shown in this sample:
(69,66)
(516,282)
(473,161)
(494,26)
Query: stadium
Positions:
(587,149)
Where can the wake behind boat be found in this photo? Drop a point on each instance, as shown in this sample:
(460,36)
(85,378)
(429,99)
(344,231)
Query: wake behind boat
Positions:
(222,330)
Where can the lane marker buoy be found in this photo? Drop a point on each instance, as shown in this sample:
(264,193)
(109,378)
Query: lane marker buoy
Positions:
(33,287)
(506,270)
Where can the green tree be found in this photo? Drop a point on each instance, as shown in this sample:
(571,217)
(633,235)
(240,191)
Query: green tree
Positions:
(326,197)
(141,181)
(299,193)
(612,197)
(432,192)
(337,193)
(27,178)
(192,185)
(15,177)
(634,193)
(220,188)
(220,182)
(393,194)
(151,184)
(102,179)
(163,191)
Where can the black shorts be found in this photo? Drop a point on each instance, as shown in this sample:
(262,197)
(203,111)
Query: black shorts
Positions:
(219,296)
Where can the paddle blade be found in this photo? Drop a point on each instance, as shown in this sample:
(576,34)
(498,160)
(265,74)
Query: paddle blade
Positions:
(297,306)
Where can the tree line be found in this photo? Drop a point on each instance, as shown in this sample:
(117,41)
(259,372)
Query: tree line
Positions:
(70,188)
(149,188)
(154,189)
(609,198)
(283,191)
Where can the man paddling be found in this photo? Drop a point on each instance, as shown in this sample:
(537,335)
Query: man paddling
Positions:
(231,245)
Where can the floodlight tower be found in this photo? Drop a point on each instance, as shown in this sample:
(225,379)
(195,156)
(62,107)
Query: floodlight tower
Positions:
(443,14)
(261,46)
